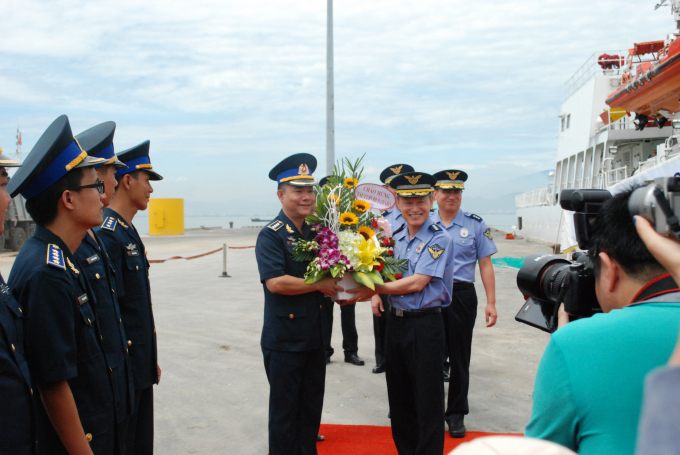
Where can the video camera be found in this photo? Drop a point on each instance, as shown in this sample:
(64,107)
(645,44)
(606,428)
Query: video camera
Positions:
(658,202)
(547,280)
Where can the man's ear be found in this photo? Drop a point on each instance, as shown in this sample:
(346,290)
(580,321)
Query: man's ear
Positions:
(279,193)
(127,181)
(610,272)
(67,200)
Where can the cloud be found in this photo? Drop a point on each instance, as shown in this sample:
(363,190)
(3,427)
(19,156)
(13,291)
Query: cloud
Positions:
(224,90)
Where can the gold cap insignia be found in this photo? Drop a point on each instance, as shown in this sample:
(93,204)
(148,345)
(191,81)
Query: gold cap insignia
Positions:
(396,170)
(413,180)
(452,175)
(303,170)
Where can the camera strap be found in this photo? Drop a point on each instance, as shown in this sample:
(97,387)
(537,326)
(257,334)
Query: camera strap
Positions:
(660,285)
(671,218)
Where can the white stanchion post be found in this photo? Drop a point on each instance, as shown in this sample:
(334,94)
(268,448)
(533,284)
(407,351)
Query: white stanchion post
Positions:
(224,262)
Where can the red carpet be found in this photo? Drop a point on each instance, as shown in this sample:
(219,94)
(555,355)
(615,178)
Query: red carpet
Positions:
(365,440)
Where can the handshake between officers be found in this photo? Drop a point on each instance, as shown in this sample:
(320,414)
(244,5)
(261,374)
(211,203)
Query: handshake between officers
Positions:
(77,308)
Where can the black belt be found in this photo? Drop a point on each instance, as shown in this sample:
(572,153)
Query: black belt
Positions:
(457,286)
(414,313)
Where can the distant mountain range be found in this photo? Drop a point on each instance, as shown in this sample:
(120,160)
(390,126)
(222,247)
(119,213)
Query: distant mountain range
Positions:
(505,203)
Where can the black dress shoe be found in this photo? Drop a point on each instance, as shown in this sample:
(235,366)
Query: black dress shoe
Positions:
(320,438)
(380,368)
(354,359)
(446,376)
(457,428)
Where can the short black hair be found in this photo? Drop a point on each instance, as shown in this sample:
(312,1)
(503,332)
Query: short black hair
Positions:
(44,207)
(133,174)
(614,233)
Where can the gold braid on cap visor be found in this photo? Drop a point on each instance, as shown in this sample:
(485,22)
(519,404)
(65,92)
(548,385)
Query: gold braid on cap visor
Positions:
(415,192)
(297,177)
(449,185)
(78,159)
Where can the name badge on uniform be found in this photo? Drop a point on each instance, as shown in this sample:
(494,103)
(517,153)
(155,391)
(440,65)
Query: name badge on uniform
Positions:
(421,245)
(132,250)
(93,259)
(133,253)
(464,232)
(83,299)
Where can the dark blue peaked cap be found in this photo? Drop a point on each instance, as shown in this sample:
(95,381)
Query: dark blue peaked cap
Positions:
(390,172)
(137,159)
(295,170)
(413,184)
(54,155)
(98,142)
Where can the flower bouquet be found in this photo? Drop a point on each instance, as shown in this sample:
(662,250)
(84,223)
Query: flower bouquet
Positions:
(349,236)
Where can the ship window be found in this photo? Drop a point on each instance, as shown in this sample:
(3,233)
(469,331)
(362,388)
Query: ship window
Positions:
(568,120)
(562,126)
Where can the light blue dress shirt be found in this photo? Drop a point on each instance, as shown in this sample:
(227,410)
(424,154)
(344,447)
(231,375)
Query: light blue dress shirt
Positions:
(477,244)
(394,217)
(429,253)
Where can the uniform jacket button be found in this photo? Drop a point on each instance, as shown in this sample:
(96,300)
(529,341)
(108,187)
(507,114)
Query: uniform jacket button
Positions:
(31,391)
(21,311)
(96,275)
(13,349)
(136,267)
(88,437)
(291,316)
(129,343)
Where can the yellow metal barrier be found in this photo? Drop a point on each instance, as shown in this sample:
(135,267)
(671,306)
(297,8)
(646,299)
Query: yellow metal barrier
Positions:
(166,216)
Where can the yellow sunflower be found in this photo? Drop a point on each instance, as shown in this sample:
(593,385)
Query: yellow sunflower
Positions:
(366,231)
(350,182)
(334,197)
(361,206)
(348,218)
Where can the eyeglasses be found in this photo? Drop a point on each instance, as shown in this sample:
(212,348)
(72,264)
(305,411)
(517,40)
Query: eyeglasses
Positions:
(99,185)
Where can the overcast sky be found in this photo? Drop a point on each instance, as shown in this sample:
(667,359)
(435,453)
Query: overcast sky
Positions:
(226,89)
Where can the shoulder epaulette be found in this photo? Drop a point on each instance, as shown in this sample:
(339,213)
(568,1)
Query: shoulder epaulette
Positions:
(386,212)
(275,225)
(122,223)
(109,223)
(55,257)
(432,210)
(435,227)
(474,217)
(399,229)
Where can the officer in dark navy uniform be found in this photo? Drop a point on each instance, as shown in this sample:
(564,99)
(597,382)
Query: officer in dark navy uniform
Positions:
(96,265)
(128,258)
(350,336)
(293,330)
(414,346)
(472,242)
(17,418)
(395,219)
(75,402)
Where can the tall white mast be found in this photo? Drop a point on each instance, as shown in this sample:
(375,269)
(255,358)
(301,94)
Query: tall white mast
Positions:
(19,143)
(330,108)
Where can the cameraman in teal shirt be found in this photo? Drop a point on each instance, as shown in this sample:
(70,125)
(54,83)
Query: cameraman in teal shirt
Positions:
(589,385)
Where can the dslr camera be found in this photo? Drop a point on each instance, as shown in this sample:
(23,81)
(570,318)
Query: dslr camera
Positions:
(546,280)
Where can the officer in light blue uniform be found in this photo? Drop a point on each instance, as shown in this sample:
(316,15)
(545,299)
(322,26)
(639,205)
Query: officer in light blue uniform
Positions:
(414,345)
(396,220)
(472,242)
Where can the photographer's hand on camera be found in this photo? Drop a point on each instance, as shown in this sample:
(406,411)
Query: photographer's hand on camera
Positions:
(666,250)
(562,317)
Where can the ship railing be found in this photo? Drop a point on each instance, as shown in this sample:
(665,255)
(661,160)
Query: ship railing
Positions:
(610,65)
(535,198)
(624,123)
(611,178)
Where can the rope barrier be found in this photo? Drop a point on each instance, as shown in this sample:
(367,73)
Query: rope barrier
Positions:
(160,261)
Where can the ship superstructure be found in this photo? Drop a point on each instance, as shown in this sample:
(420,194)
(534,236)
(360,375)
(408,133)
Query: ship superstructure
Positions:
(598,146)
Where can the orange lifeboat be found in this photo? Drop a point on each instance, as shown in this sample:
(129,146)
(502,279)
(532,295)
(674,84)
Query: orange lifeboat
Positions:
(656,84)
